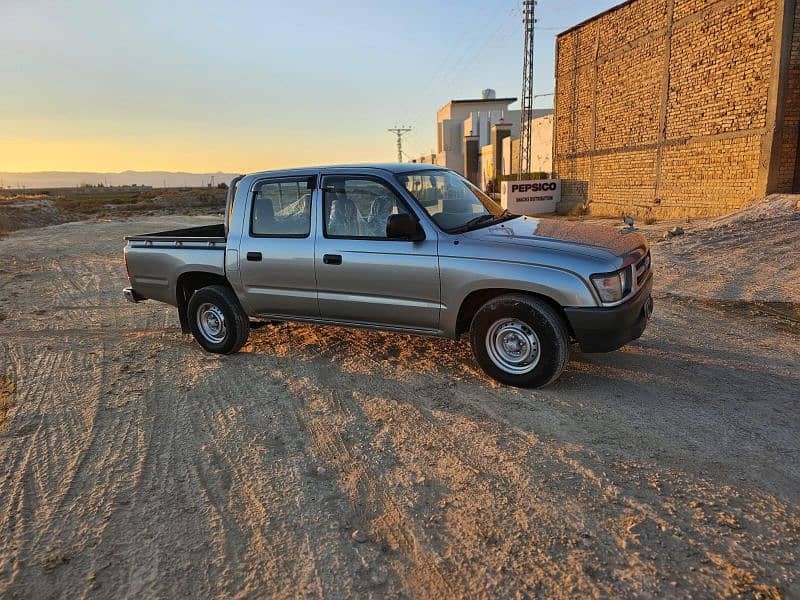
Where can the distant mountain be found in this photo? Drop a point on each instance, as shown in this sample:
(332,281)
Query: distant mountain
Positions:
(59,179)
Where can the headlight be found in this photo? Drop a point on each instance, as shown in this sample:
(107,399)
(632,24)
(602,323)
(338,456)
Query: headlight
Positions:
(612,287)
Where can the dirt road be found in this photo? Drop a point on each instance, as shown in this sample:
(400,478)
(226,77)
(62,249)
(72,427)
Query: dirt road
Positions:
(134,465)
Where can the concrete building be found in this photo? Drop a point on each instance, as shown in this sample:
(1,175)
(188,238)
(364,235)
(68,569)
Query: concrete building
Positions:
(463,127)
(679,107)
(506,161)
(541,145)
(479,138)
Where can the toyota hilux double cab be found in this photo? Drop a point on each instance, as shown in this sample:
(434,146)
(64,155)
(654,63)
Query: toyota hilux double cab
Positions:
(406,248)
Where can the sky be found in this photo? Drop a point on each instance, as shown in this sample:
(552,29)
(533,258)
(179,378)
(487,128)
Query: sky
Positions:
(241,86)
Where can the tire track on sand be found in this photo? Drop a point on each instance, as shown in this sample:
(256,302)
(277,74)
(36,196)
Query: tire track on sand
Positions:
(419,566)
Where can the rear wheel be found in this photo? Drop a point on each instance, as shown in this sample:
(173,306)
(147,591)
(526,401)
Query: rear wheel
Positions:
(217,320)
(520,340)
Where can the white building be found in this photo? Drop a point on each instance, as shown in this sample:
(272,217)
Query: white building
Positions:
(463,127)
(474,137)
(541,146)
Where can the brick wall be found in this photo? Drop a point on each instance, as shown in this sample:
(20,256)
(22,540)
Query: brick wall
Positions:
(719,70)
(627,115)
(709,178)
(662,106)
(794,93)
(789,169)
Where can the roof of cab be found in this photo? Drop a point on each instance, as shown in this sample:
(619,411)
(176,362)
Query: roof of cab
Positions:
(364,167)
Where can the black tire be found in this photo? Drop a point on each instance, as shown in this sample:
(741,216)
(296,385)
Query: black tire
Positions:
(236,323)
(535,316)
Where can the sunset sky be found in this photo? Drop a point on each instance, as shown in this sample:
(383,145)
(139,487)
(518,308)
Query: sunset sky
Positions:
(92,85)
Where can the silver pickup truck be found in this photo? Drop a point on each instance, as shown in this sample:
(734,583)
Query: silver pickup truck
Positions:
(408,248)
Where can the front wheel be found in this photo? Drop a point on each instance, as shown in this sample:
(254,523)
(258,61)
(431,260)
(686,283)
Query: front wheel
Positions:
(217,320)
(520,340)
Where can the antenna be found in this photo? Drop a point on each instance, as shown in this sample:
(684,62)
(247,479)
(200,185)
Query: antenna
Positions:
(399,132)
(526,114)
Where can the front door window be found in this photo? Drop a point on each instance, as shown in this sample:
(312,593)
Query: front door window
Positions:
(358,208)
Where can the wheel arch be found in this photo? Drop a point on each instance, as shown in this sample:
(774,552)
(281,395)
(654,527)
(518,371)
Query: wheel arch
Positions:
(477,298)
(187,284)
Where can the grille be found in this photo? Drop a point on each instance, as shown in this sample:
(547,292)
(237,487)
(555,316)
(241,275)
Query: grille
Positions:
(642,270)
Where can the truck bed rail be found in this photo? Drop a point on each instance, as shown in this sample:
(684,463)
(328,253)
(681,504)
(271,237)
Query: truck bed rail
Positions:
(204,235)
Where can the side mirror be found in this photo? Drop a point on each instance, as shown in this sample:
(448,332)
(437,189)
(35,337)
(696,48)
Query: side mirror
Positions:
(404,227)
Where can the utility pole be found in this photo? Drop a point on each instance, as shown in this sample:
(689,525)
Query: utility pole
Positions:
(399,132)
(526,114)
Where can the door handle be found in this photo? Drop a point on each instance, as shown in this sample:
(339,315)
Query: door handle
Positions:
(332,259)
(254,256)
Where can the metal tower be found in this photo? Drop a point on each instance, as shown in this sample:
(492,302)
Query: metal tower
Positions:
(399,132)
(526,114)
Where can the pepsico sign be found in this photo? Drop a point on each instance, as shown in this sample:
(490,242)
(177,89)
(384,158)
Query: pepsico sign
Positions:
(534,197)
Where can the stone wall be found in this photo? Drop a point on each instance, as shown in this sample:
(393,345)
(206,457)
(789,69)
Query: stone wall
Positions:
(663,107)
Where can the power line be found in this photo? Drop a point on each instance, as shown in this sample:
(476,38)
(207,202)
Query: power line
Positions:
(399,132)
(526,101)
(437,73)
(467,58)
(461,65)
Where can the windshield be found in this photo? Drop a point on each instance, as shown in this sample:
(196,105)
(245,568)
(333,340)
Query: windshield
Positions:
(452,201)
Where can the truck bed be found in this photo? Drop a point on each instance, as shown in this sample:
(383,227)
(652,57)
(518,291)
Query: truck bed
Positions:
(203,234)
(155,261)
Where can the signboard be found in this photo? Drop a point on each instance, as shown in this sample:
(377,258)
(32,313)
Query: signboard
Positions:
(534,197)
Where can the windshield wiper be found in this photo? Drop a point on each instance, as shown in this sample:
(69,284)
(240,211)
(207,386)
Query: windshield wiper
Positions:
(473,222)
(481,219)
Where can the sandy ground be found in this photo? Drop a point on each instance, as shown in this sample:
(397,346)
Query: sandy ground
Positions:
(25,210)
(134,465)
(753,254)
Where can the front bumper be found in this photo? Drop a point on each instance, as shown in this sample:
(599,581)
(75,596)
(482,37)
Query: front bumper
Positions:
(608,329)
(132,296)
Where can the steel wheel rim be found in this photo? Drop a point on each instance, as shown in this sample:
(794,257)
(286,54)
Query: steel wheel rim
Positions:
(513,346)
(211,322)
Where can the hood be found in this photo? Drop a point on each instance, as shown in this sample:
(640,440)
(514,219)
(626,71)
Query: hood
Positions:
(618,241)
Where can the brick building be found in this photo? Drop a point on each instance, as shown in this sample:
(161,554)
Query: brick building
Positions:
(679,107)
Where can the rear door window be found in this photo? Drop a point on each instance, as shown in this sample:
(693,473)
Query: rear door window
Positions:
(282,208)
